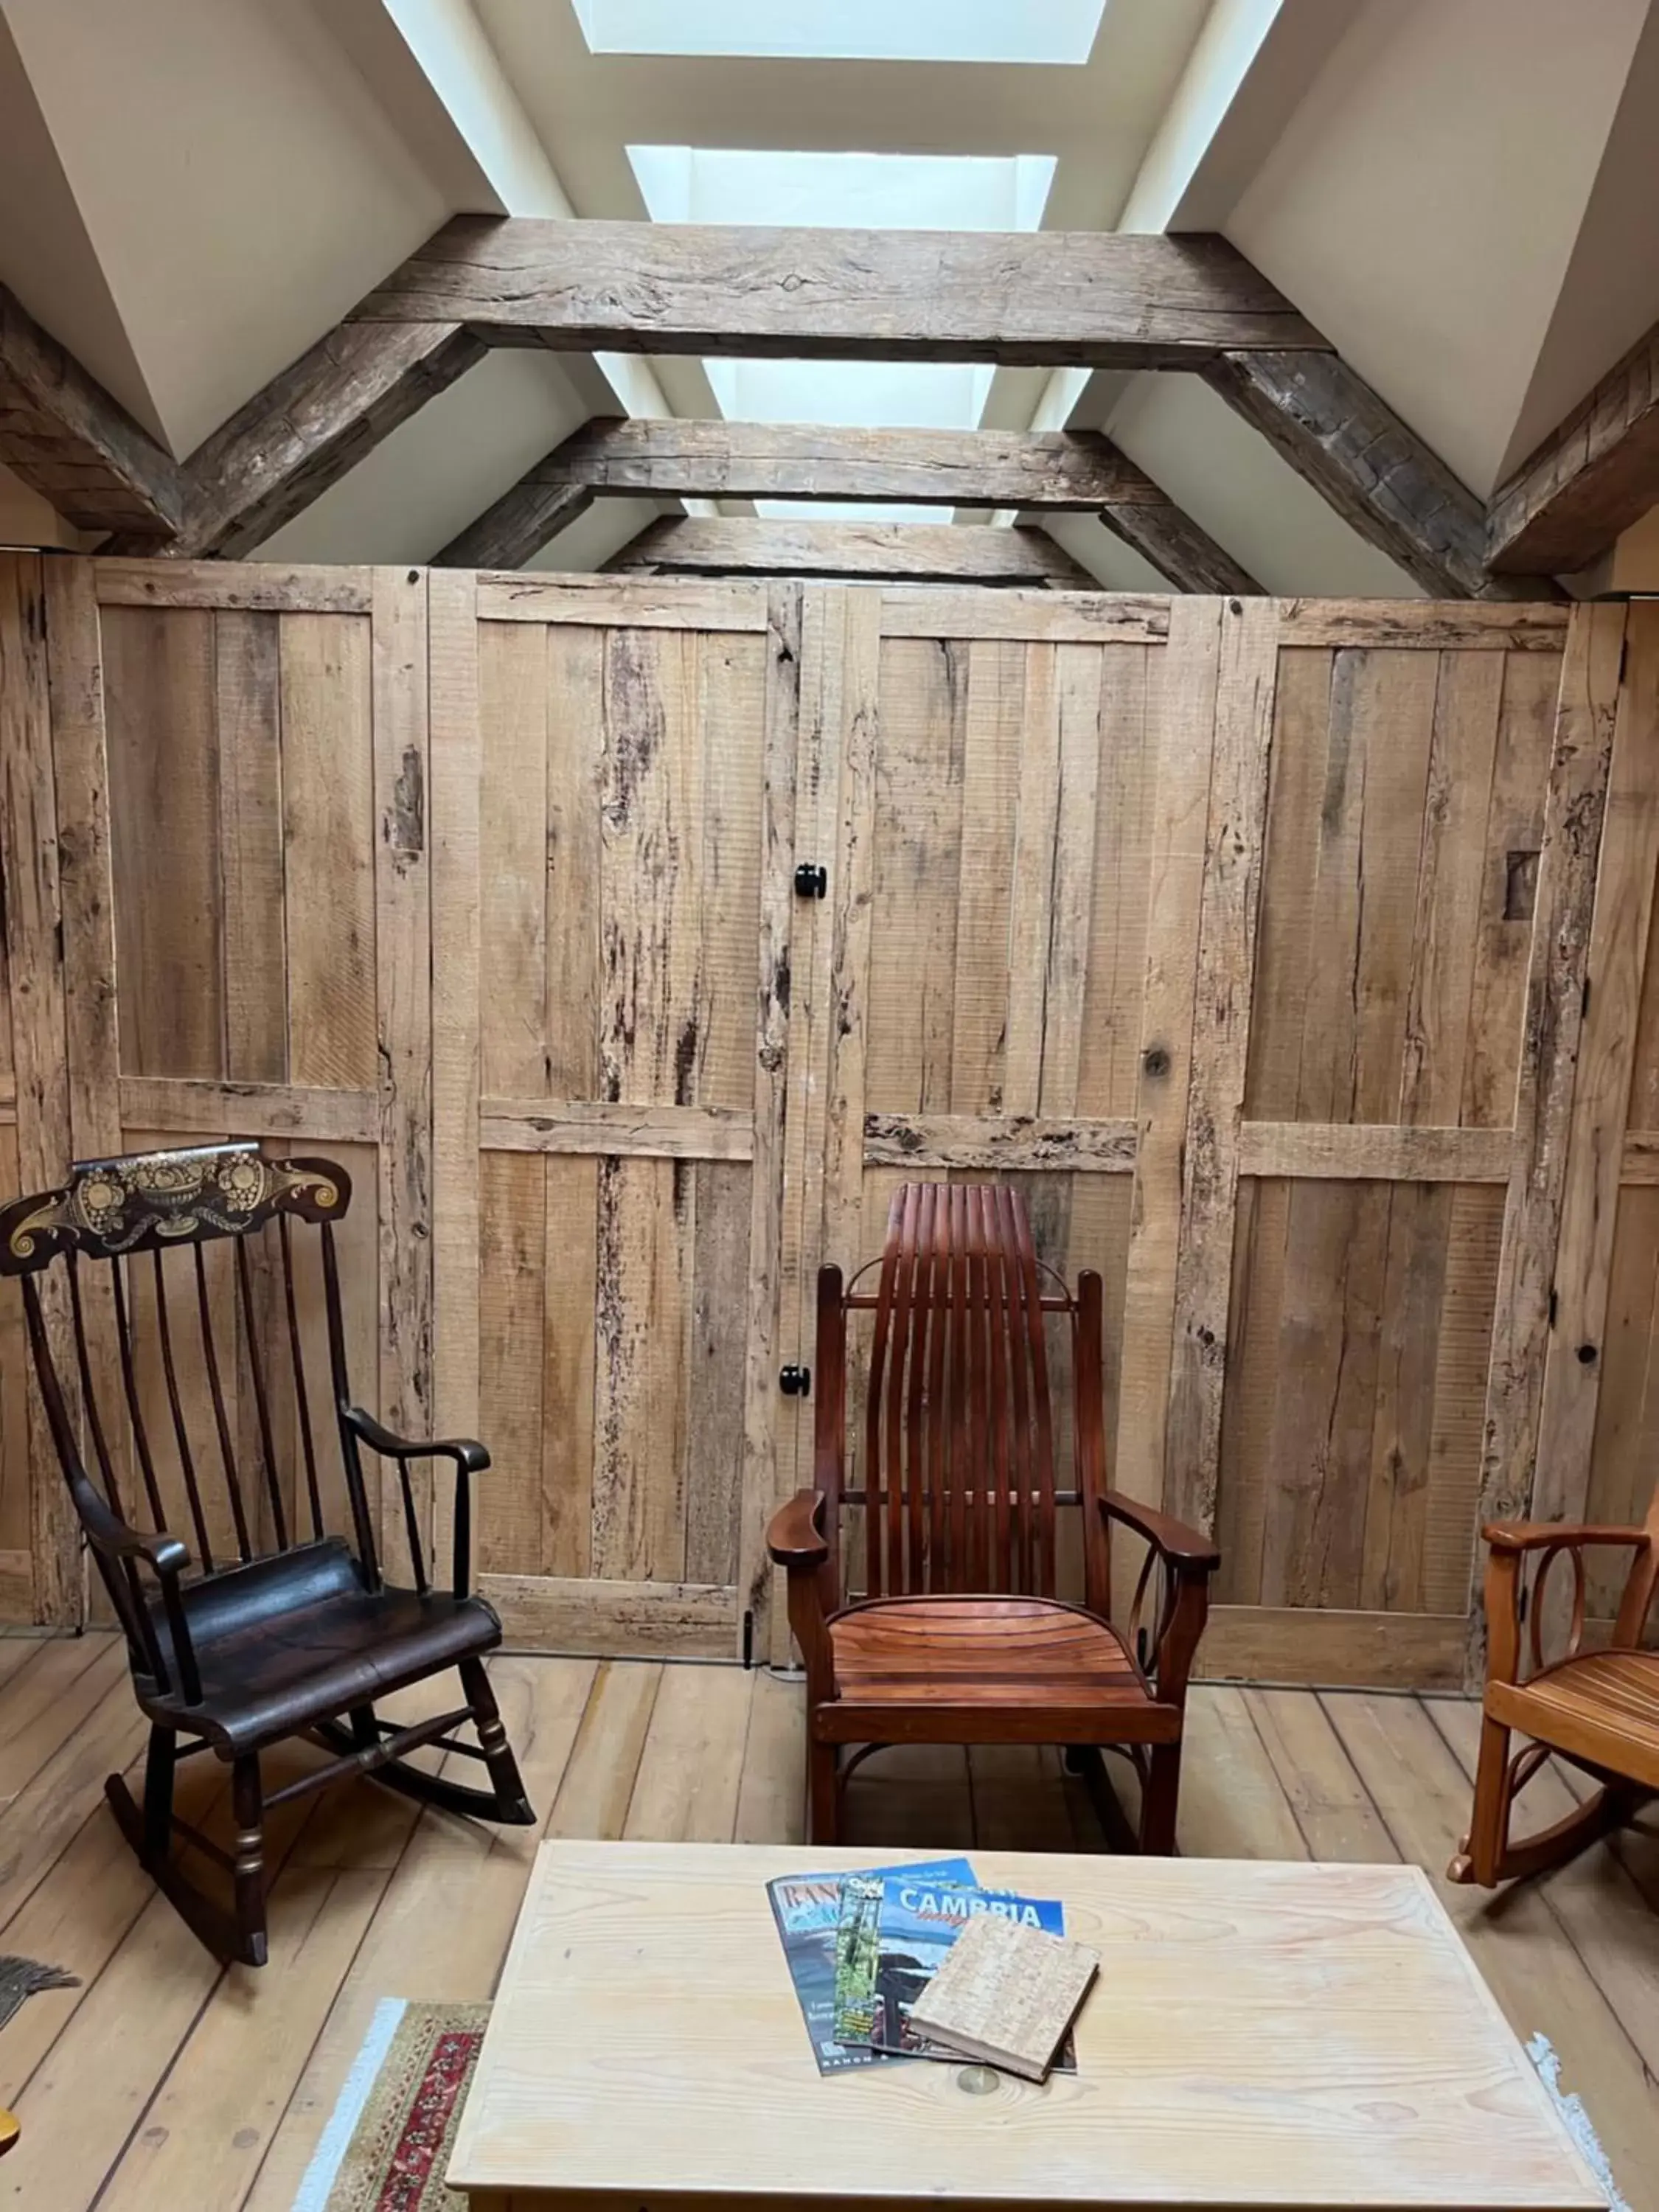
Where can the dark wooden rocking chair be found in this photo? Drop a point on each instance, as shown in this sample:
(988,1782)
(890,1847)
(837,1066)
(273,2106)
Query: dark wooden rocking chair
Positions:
(297,1638)
(959,1636)
(1597,1710)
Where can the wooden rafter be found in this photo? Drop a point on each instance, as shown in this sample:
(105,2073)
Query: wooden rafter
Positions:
(1378,474)
(309,426)
(891,552)
(1058,471)
(1590,479)
(1099,298)
(69,440)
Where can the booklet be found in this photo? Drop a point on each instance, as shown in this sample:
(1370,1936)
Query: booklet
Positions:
(807,1911)
(918,1917)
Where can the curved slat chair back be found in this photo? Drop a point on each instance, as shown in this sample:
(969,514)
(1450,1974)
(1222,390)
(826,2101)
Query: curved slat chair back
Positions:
(958,1421)
(211,1422)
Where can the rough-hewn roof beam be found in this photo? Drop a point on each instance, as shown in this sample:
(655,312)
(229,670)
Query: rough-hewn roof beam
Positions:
(1590,479)
(1100,299)
(1378,475)
(938,553)
(310,425)
(1059,471)
(68,440)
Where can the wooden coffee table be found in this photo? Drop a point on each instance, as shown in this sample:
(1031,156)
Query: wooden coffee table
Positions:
(1293,2036)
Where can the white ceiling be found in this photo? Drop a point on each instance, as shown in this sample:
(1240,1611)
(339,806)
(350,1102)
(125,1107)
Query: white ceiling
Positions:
(1458,191)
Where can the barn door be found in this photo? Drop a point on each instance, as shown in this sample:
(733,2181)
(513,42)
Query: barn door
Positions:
(634,786)
(1014,796)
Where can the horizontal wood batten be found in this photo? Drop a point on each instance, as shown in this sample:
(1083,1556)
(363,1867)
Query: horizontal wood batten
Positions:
(1302,1644)
(1049,618)
(1062,471)
(197,1107)
(1095,298)
(674,1133)
(616,1620)
(1453,625)
(999,1140)
(259,586)
(1641,1160)
(1375,1152)
(622,602)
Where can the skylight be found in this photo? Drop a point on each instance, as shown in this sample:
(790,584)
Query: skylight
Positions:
(1051,31)
(873,191)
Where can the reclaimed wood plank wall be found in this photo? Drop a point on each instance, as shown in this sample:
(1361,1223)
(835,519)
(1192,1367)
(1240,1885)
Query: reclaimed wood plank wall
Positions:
(1252,937)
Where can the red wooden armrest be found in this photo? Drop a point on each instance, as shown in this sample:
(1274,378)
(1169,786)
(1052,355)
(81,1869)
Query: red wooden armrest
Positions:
(1186,1550)
(796,1538)
(1540,1535)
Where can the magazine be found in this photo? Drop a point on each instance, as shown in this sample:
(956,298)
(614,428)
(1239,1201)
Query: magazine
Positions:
(807,1910)
(918,1918)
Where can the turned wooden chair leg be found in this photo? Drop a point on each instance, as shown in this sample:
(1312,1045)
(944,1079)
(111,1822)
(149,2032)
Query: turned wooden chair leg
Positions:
(159,1763)
(823,1796)
(1158,1799)
(502,1767)
(247,1803)
(1480,1857)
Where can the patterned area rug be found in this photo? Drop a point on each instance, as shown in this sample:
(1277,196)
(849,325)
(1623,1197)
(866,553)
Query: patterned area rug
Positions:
(387,2144)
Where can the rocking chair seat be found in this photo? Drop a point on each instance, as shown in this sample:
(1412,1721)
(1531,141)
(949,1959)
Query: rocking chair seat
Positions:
(294,1637)
(1602,1706)
(974,1667)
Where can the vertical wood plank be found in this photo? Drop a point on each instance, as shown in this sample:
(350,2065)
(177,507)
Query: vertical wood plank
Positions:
(1600,1099)
(764,1467)
(523,878)
(33,916)
(1573,807)
(569,1292)
(1229,900)
(247,699)
(1185,723)
(455,747)
(80,758)
(164,818)
(572,742)
(330,838)
(1035,813)
(991,764)
(514,1316)
(403,969)
(1071,901)
(1109,1060)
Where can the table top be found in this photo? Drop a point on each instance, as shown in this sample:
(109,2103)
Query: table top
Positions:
(1260,2034)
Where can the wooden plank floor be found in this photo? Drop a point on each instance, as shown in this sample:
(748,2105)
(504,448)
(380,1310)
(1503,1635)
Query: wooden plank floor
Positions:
(163,2081)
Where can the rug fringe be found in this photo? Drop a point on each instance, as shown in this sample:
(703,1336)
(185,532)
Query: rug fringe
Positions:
(21,1979)
(335,2137)
(1571,2105)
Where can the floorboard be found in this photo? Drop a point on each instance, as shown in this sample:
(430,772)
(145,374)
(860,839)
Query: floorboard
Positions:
(162,2080)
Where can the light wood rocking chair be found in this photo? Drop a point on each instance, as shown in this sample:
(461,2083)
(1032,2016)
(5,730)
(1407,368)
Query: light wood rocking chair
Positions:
(1597,1710)
(275,1628)
(959,1636)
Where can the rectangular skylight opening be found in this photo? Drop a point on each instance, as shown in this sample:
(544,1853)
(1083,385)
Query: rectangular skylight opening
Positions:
(1055,32)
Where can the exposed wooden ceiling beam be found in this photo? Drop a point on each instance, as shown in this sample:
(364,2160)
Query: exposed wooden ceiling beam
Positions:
(1379,476)
(1589,480)
(1078,472)
(310,425)
(1097,298)
(875,551)
(69,440)
(519,525)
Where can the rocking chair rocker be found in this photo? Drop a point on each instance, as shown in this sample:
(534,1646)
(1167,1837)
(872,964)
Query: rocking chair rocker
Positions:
(1598,1710)
(297,1635)
(959,1636)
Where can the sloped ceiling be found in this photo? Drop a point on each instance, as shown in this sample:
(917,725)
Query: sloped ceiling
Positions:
(1458,191)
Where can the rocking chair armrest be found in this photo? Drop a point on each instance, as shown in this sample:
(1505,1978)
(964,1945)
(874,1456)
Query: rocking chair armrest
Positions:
(1187,1551)
(1567,1535)
(470,1457)
(795,1538)
(165,1555)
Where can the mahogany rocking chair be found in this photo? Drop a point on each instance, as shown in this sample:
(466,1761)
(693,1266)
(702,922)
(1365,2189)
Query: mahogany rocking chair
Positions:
(958,1635)
(1598,1710)
(274,1631)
